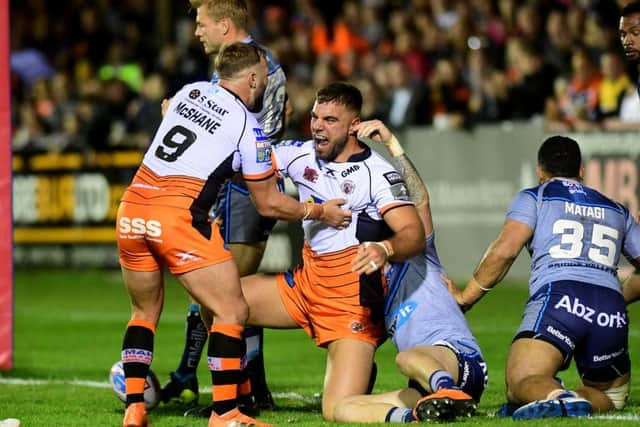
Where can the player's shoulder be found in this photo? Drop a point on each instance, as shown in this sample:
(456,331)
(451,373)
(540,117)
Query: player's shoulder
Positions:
(294,144)
(195,89)
(272,64)
(530,192)
(376,162)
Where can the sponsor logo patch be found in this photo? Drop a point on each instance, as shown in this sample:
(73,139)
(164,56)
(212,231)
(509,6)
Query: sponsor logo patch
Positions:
(259,133)
(330,172)
(399,192)
(573,187)
(263,147)
(187,257)
(136,355)
(351,169)
(393,177)
(400,315)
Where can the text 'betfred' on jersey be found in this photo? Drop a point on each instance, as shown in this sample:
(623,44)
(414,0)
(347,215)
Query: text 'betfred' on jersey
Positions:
(195,113)
(263,146)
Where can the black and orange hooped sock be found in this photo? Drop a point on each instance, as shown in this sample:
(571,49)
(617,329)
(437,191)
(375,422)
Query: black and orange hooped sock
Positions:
(137,354)
(225,353)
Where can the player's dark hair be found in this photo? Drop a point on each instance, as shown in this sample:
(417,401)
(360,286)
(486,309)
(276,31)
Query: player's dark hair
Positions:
(341,93)
(560,156)
(631,8)
(235,57)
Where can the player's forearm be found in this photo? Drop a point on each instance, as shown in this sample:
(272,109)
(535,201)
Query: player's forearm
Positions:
(416,187)
(285,208)
(407,242)
(492,268)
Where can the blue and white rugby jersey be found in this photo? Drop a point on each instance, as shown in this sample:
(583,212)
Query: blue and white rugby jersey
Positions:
(578,233)
(419,309)
(271,116)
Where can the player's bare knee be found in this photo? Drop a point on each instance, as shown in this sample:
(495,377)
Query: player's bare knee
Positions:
(403,361)
(343,411)
(328,412)
(236,314)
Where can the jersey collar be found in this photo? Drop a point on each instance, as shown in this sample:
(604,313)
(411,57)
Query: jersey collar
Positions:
(361,156)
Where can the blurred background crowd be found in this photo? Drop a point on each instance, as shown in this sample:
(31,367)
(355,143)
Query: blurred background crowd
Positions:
(90,75)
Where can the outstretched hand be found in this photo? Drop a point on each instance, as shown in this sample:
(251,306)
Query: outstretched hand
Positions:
(334,215)
(455,292)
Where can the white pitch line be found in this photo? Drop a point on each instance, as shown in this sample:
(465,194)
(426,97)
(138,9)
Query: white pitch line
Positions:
(99,384)
(285,395)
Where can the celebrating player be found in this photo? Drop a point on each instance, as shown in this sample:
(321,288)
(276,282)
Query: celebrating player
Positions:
(436,348)
(337,295)
(205,137)
(575,236)
(243,229)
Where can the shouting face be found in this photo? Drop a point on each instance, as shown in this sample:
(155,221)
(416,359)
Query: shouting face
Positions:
(331,126)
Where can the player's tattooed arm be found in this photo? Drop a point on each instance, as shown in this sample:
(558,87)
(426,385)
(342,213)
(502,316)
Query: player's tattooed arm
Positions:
(417,189)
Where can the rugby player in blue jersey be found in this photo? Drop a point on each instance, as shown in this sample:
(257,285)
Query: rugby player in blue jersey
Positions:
(576,310)
(630,34)
(244,231)
(436,349)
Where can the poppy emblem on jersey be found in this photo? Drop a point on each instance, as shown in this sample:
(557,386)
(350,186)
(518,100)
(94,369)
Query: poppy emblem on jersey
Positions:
(348,187)
(194,94)
(356,327)
(310,174)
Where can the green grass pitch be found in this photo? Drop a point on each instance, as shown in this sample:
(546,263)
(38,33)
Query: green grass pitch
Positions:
(69,327)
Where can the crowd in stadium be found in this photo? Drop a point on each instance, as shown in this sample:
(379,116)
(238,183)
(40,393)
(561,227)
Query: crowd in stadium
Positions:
(92,74)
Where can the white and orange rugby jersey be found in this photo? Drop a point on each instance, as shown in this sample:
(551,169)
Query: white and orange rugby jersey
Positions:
(367,181)
(206,136)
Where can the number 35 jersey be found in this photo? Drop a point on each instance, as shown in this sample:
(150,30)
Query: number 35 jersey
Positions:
(206,135)
(367,181)
(578,233)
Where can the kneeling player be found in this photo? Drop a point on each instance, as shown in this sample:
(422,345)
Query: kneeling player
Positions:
(575,236)
(437,351)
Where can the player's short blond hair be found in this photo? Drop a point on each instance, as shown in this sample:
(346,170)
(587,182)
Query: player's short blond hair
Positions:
(236,10)
(236,57)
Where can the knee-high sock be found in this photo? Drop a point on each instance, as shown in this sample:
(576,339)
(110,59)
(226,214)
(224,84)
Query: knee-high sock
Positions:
(225,353)
(137,354)
(254,338)
(195,338)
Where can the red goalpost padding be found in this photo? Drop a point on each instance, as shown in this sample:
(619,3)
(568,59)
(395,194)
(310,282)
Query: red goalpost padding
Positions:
(6,214)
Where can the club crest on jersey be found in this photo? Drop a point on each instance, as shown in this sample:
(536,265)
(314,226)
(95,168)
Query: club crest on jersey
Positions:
(348,187)
(310,174)
(356,326)
(194,94)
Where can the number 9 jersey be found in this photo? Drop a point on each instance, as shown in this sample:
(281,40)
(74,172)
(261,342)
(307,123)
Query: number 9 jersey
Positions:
(578,234)
(206,136)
